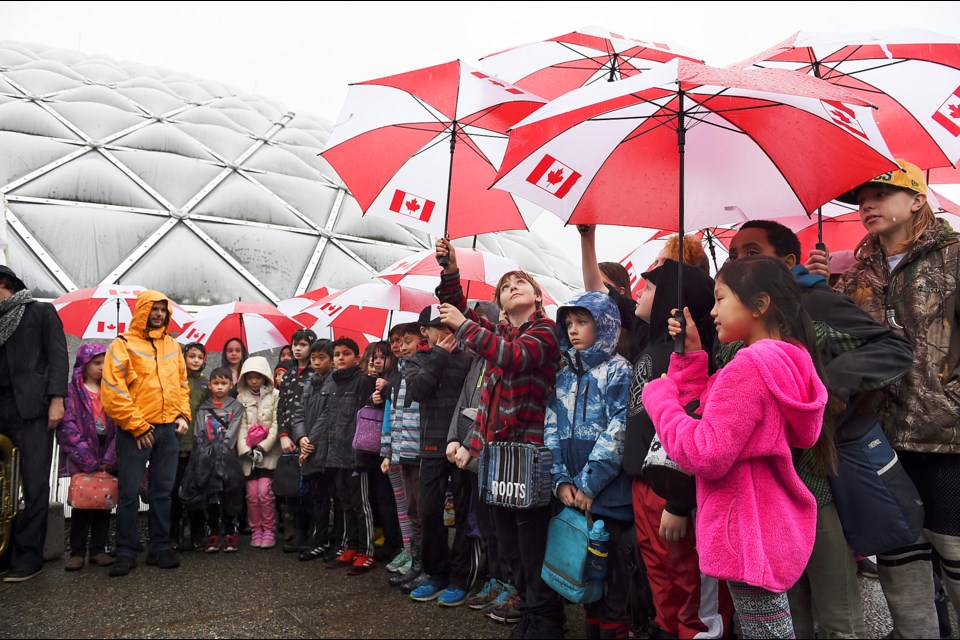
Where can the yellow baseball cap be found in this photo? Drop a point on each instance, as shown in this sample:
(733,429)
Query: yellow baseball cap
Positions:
(909,177)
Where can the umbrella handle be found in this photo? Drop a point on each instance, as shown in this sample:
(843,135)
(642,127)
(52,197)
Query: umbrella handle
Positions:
(821,246)
(679,345)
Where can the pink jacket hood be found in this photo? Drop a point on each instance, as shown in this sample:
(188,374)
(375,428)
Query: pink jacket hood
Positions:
(789,374)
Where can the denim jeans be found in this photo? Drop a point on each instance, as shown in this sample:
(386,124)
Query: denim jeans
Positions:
(132,462)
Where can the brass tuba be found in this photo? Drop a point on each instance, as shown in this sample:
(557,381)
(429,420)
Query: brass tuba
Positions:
(9,489)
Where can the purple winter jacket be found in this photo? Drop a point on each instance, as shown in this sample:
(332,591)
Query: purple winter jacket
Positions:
(80,449)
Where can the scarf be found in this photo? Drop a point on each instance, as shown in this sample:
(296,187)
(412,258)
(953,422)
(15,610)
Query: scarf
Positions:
(11,313)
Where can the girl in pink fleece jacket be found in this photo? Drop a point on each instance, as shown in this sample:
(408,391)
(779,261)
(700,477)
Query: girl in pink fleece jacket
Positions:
(755,519)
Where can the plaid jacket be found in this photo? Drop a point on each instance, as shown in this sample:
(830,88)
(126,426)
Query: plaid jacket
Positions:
(522,361)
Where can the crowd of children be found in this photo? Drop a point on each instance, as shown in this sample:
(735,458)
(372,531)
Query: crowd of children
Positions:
(746,401)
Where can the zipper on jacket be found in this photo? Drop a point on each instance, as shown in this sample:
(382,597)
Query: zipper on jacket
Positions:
(586,392)
(163,393)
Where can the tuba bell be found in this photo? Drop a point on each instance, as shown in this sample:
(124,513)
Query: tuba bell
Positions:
(9,489)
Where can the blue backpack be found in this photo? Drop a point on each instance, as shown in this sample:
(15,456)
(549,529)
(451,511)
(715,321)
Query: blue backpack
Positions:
(565,562)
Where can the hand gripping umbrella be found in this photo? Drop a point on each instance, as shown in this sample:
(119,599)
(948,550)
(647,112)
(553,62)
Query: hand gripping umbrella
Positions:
(751,143)
(421,149)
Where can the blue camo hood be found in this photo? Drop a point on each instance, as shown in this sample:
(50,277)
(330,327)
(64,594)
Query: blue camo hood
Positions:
(607,318)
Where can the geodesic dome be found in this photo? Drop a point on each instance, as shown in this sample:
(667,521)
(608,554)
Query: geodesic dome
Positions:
(117,172)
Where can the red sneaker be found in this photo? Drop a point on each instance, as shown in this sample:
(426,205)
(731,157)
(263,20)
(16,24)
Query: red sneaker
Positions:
(231,543)
(213,544)
(345,559)
(361,564)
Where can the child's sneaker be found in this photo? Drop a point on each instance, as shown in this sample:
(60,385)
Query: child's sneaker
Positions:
(508,612)
(430,590)
(361,564)
(269,540)
(213,544)
(452,597)
(401,559)
(256,538)
(345,559)
(231,543)
(491,589)
(378,538)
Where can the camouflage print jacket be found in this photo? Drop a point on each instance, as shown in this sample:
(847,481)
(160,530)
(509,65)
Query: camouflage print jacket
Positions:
(919,300)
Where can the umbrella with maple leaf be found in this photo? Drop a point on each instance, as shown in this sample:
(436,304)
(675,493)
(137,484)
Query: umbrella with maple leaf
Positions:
(552,67)
(260,326)
(105,312)
(911,75)
(421,149)
(751,143)
(365,312)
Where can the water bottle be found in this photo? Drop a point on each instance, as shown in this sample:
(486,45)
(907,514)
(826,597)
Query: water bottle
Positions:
(598,550)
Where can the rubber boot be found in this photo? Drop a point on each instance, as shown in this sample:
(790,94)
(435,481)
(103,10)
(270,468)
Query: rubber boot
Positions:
(416,567)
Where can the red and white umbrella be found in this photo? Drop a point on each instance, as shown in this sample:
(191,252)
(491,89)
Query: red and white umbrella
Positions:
(553,67)
(911,75)
(365,312)
(692,146)
(421,149)
(105,312)
(479,270)
(260,326)
(294,306)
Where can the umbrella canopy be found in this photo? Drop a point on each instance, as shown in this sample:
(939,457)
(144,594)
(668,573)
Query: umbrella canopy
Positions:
(105,312)
(750,144)
(421,149)
(553,67)
(911,75)
(479,270)
(365,312)
(259,326)
(294,307)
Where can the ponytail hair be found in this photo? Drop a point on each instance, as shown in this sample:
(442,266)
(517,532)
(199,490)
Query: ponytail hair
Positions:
(755,276)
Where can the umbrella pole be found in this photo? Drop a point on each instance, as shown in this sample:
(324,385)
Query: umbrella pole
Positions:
(386,329)
(713,249)
(118,316)
(243,335)
(678,344)
(443,261)
(820,245)
(466,295)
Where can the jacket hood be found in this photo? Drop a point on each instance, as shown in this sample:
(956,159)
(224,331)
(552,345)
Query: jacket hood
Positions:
(86,353)
(697,295)
(790,376)
(141,315)
(256,364)
(607,318)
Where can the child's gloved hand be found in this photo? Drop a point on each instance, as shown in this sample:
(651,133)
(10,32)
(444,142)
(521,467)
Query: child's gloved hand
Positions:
(256,454)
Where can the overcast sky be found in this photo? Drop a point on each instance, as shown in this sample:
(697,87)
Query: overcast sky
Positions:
(305,54)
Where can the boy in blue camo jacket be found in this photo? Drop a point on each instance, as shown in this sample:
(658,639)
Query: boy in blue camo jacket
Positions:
(584,429)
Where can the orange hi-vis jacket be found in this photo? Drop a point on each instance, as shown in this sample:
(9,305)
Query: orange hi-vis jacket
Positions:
(144,374)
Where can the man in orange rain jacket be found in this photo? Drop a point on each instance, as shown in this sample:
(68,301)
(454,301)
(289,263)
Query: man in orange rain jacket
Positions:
(145,391)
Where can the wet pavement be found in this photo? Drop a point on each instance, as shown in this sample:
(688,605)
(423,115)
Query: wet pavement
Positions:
(256,593)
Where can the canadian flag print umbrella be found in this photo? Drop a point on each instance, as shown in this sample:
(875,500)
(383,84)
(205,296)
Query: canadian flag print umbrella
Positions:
(550,68)
(294,307)
(260,326)
(365,312)
(912,76)
(479,270)
(421,149)
(689,145)
(106,311)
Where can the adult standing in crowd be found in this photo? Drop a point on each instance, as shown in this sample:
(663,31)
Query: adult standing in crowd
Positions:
(146,392)
(33,382)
